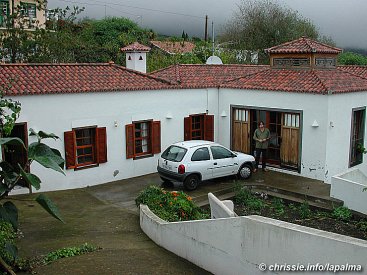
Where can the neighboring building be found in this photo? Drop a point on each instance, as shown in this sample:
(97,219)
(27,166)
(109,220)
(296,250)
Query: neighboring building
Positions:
(115,121)
(32,14)
(136,57)
(171,47)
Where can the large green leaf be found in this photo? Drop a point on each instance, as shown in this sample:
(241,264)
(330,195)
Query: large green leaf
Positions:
(9,213)
(45,156)
(12,141)
(8,174)
(49,206)
(31,179)
(41,135)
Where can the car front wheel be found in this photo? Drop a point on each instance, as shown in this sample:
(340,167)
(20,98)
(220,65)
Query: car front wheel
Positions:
(191,182)
(245,172)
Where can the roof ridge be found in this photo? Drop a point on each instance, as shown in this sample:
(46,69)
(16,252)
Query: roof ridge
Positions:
(351,73)
(321,82)
(55,64)
(244,76)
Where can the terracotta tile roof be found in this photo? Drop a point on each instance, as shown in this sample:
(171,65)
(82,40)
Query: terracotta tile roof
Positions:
(357,70)
(174,47)
(75,78)
(135,47)
(303,45)
(304,81)
(203,76)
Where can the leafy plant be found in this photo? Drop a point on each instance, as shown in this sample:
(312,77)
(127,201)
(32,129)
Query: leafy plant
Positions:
(342,213)
(362,225)
(278,206)
(170,206)
(361,149)
(304,210)
(69,252)
(7,241)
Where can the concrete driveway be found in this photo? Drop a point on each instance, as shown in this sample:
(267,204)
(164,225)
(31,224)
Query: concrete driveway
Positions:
(106,216)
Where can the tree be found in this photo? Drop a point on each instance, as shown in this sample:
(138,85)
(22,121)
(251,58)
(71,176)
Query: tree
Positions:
(10,176)
(351,58)
(258,25)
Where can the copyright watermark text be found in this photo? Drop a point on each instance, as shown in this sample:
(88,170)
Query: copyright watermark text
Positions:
(311,267)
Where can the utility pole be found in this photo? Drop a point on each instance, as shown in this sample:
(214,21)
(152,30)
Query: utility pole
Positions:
(206,29)
(213,38)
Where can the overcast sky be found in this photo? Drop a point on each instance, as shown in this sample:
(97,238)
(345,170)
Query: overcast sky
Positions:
(344,20)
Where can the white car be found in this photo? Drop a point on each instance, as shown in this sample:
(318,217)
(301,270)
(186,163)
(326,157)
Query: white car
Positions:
(191,162)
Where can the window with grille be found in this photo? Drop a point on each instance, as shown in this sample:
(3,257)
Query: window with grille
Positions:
(199,127)
(357,137)
(291,62)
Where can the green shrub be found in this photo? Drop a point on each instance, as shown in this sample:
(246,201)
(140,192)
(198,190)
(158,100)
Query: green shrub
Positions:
(304,210)
(170,206)
(362,225)
(342,213)
(243,196)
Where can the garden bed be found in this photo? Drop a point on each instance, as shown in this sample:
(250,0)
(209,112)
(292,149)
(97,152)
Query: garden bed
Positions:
(341,220)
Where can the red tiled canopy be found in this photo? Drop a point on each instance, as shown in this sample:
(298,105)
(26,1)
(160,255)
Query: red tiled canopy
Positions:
(303,45)
(135,47)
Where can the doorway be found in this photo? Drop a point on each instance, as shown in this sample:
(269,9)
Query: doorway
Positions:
(284,127)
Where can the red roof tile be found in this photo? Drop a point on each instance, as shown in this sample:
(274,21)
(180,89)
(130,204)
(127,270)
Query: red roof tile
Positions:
(305,81)
(174,47)
(135,47)
(196,76)
(357,70)
(75,78)
(303,45)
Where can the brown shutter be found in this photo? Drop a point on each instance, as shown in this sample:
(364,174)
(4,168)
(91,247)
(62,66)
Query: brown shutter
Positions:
(187,128)
(209,127)
(69,142)
(129,131)
(101,141)
(156,137)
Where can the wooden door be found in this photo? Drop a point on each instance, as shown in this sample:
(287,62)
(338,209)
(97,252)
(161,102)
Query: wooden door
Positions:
(241,131)
(289,149)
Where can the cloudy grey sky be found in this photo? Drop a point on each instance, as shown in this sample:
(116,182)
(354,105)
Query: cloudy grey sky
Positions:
(344,20)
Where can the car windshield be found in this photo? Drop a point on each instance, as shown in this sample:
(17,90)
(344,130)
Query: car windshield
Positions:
(174,153)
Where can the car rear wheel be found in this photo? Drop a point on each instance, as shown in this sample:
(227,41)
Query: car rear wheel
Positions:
(191,182)
(245,172)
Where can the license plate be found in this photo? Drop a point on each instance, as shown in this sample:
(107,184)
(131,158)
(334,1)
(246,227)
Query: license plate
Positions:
(167,166)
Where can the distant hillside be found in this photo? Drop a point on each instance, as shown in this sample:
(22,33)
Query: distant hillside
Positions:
(356,50)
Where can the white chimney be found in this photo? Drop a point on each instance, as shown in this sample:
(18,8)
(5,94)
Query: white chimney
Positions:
(136,57)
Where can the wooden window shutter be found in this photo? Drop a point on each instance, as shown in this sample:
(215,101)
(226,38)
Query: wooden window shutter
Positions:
(69,142)
(209,127)
(130,144)
(187,128)
(101,141)
(156,137)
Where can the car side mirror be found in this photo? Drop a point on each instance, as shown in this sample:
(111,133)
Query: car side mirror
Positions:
(233,155)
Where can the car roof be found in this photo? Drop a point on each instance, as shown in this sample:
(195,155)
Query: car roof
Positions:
(194,143)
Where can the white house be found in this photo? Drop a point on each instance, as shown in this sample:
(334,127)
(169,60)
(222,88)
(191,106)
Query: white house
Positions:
(114,122)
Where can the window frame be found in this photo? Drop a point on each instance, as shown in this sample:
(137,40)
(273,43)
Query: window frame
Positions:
(153,139)
(98,145)
(205,129)
(26,7)
(201,148)
(356,158)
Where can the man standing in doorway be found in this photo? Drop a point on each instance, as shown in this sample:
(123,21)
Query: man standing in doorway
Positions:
(262,137)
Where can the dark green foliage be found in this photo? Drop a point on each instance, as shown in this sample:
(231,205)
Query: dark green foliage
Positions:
(8,249)
(170,206)
(278,206)
(351,58)
(342,213)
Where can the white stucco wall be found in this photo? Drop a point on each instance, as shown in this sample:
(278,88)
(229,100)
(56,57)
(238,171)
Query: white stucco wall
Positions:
(60,112)
(238,245)
(135,63)
(349,187)
(313,107)
(338,137)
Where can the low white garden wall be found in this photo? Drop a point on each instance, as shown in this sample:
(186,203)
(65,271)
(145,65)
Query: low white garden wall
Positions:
(348,187)
(241,245)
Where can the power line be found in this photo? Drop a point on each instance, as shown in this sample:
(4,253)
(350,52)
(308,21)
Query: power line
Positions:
(133,7)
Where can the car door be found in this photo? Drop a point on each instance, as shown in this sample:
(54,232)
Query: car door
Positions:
(224,162)
(201,162)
